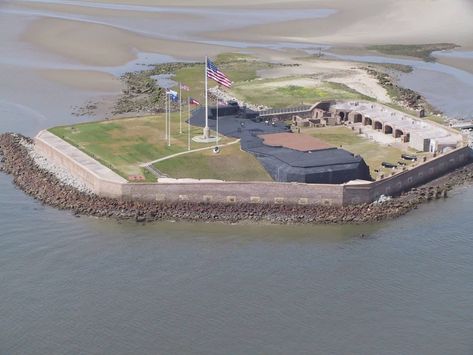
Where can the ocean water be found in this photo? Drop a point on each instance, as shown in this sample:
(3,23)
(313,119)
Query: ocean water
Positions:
(90,286)
(73,285)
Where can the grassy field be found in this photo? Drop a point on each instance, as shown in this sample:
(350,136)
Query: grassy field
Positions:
(123,144)
(242,70)
(436,119)
(422,51)
(373,153)
(272,93)
(230,164)
(238,67)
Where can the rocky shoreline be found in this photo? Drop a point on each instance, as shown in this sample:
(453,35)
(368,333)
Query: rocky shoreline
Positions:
(16,160)
(404,97)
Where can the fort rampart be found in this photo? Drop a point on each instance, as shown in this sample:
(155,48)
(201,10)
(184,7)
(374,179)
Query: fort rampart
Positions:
(105,182)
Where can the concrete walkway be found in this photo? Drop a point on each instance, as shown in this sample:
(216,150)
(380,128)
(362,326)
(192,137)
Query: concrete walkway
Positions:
(45,140)
(184,153)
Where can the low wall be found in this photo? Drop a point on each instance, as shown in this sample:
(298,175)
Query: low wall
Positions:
(254,192)
(421,174)
(232,192)
(71,161)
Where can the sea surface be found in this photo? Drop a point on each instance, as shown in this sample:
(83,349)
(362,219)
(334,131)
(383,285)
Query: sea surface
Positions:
(73,285)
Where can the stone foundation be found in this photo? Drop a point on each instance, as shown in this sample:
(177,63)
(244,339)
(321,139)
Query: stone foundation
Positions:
(45,186)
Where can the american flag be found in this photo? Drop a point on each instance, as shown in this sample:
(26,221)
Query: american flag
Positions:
(217,75)
(193,101)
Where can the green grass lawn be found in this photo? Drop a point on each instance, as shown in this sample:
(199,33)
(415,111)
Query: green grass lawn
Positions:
(422,51)
(123,144)
(238,67)
(373,153)
(242,69)
(271,93)
(231,164)
(436,119)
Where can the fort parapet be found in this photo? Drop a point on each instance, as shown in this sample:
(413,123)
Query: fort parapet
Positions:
(104,182)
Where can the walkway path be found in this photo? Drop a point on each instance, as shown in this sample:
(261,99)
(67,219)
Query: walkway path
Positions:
(144,165)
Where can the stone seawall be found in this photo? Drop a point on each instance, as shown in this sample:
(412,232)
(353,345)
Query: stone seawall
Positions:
(95,176)
(406,180)
(237,192)
(16,160)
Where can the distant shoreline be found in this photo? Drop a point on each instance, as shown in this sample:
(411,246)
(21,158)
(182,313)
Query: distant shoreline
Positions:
(45,187)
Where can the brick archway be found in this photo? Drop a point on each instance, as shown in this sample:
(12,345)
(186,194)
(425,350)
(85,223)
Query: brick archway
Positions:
(378,125)
(344,116)
(388,129)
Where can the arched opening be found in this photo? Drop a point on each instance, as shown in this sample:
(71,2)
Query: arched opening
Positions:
(398,133)
(342,116)
(378,125)
(368,121)
(407,137)
(388,129)
(358,118)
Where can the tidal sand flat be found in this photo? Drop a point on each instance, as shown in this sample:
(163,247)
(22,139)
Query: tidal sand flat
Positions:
(104,34)
(373,22)
(82,79)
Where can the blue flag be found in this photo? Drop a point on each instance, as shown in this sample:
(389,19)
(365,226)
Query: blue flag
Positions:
(173,95)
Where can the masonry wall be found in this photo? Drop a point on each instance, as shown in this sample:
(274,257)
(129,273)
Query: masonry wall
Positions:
(92,181)
(408,179)
(233,192)
(261,192)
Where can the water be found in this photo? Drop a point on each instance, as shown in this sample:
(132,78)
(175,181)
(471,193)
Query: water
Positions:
(91,286)
(454,54)
(88,286)
(165,80)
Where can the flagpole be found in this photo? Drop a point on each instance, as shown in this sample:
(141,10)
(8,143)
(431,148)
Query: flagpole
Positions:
(189,124)
(206,128)
(169,123)
(216,128)
(180,108)
(166,117)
